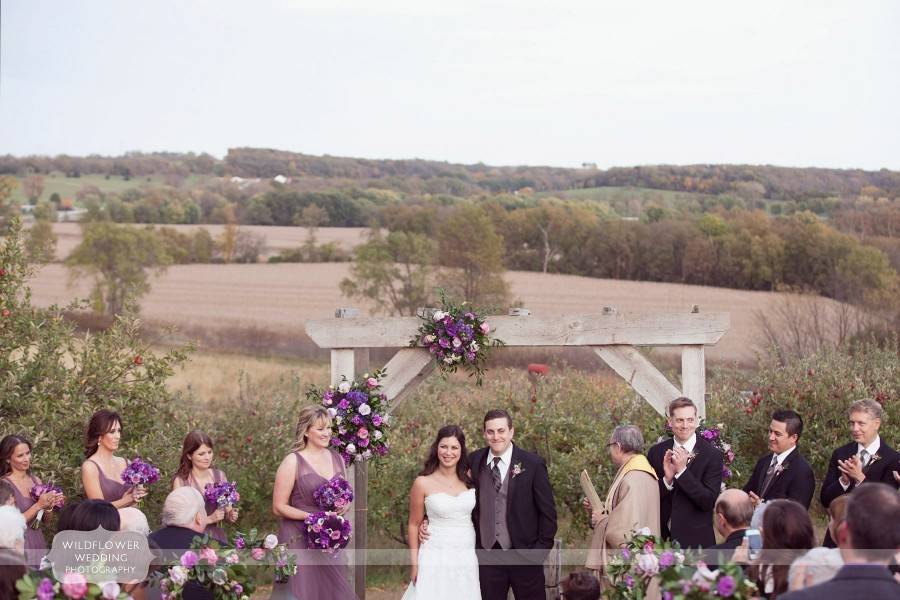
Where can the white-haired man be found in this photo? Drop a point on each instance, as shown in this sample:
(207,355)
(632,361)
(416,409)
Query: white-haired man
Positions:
(12,529)
(183,519)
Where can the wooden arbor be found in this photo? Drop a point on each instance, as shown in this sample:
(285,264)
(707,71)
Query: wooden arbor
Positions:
(613,336)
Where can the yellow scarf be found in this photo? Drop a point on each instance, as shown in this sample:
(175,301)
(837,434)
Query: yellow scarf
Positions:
(638,462)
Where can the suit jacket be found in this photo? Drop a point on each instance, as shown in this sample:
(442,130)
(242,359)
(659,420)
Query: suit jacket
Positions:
(691,502)
(724,552)
(174,541)
(871,582)
(530,508)
(795,482)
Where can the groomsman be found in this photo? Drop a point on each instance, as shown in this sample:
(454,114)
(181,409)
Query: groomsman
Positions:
(690,478)
(784,473)
(867,458)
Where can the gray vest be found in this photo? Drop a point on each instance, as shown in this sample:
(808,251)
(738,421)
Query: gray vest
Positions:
(492,510)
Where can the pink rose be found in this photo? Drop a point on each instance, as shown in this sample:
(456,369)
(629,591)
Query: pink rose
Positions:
(363,433)
(258,553)
(485,328)
(335,535)
(371,382)
(209,555)
(74,585)
(189,559)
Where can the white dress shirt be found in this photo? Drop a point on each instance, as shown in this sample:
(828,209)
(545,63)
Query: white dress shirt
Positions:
(504,463)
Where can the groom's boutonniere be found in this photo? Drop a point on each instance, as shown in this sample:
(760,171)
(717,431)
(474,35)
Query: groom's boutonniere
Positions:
(780,468)
(691,457)
(517,469)
(875,458)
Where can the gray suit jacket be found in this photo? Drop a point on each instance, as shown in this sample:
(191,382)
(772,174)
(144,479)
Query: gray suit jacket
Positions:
(866,582)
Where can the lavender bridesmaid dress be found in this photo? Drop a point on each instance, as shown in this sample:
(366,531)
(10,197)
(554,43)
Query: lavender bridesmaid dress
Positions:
(35,543)
(213,530)
(320,576)
(112,490)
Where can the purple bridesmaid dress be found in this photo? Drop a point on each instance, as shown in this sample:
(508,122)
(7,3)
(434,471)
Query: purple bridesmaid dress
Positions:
(323,576)
(35,543)
(112,490)
(212,530)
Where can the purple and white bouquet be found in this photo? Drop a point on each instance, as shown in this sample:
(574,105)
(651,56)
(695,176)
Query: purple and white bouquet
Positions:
(713,435)
(358,419)
(223,494)
(456,336)
(140,473)
(327,532)
(39,490)
(334,495)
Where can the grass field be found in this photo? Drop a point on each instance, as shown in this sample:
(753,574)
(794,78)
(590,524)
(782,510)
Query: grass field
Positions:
(67,187)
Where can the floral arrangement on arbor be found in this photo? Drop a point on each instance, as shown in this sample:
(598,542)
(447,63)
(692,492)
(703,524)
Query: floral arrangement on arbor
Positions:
(457,335)
(646,557)
(358,419)
(42,585)
(228,572)
(713,435)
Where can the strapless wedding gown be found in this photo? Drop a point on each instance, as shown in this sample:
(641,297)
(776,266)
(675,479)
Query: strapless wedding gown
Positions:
(448,566)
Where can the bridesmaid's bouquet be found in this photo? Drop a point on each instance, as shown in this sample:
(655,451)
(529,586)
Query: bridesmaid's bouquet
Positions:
(140,473)
(334,494)
(224,494)
(327,532)
(39,490)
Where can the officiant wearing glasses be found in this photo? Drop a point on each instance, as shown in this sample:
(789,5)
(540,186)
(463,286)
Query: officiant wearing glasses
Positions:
(867,458)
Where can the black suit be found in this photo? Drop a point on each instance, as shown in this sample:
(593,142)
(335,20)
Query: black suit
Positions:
(880,470)
(691,502)
(724,552)
(531,521)
(866,582)
(174,541)
(796,481)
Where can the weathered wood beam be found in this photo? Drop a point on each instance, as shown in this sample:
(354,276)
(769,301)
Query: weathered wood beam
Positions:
(667,329)
(693,376)
(640,374)
(406,370)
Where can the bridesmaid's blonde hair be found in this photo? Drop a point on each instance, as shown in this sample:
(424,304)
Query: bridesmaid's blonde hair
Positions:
(309,416)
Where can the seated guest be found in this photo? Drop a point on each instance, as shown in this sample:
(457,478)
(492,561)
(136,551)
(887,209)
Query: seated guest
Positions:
(88,515)
(787,530)
(868,539)
(816,566)
(7,493)
(733,511)
(580,585)
(12,530)
(132,519)
(183,519)
(784,473)
(866,458)
(837,512)
(12,569)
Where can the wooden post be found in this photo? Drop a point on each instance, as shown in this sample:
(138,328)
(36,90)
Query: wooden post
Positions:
(693,376)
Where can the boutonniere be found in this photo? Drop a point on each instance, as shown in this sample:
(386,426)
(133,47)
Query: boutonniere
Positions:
(517,469)
(691,457)
(780,468)
(875,458)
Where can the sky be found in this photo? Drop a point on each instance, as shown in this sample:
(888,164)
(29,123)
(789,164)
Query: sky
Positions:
(524,82)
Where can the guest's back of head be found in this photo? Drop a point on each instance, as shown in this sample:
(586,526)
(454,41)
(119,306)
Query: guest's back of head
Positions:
(132,519)
(7,493)
(873,522)
(181,507)
(88,515)
(12,568)
(581,585)
(12,528)
(815,567)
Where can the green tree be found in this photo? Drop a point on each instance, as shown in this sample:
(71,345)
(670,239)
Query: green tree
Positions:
(394,273)
(473,251)
(118,258)
(40,245)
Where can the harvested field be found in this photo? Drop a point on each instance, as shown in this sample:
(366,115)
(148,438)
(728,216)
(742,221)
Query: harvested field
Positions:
(263,306)
(277,238)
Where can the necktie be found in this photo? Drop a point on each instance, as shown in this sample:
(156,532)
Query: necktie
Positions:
(495,472)
(770,474)
(864,457)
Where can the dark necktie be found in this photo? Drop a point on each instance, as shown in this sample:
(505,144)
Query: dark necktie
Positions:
(495,472)
(864,458)
(770,474)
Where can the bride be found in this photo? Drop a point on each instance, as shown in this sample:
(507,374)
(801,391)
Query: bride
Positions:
(445,565)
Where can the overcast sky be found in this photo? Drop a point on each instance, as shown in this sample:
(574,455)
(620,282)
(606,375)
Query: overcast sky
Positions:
(521,82)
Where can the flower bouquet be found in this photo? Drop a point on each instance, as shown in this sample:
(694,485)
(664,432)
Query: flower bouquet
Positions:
(713,435)
(140,473)
(334,495)
(699,583)
(642,559)
(223,494)
(457,336)
(42,585)
(327,532)
(267,550)
(39,490)
(357,410)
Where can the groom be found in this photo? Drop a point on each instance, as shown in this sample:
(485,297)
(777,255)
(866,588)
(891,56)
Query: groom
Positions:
(514,516)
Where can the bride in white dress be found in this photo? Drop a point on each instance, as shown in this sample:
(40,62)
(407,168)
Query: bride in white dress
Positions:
(445,565)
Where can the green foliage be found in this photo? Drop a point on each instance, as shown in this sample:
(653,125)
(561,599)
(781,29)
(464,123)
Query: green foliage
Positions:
(117,258)
(40,245)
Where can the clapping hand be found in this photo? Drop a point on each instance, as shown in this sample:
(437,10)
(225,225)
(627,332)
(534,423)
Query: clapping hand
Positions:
(851,469)
(669,469)
(755,500)
(680,458)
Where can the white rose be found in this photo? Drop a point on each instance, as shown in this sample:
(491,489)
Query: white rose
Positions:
(270,542)
(726,447)
(457,342)
(178,575)
(344,387)
(332,412)
(648,563)
(377,435)
(429,338)
(351,448)
(110,590)
(644,531)
(364,409)
(338,419)
(438,315)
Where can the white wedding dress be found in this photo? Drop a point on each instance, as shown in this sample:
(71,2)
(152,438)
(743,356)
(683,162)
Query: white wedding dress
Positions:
(448,566)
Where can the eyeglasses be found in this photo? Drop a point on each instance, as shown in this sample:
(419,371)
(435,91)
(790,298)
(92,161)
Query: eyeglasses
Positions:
(612,444)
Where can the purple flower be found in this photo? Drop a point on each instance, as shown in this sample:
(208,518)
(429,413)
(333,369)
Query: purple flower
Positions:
(356,420)
(726,473)
(237,589)
(222,494)
(667,596)
(189,559)
(45,590)
(239,543)
(726,586)
(139,472)
(344,404)
(666,559)
(376,420)
(626,554)
(335,441)
(629,581)
(444,342)
(356,397)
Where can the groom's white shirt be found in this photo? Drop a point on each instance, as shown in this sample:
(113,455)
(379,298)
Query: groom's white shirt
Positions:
(505,459)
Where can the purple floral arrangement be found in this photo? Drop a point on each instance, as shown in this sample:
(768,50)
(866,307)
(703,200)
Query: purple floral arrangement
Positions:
(43,488)
(334,494)
(358,419)
(140,472)
(327,532)
(713,435)
(222,494)
(457,336)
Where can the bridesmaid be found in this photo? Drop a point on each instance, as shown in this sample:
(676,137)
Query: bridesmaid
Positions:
(101,472)
(15,469)
(309,465)
(195,469)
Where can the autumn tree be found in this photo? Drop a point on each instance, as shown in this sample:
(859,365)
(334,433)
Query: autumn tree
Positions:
(33,186)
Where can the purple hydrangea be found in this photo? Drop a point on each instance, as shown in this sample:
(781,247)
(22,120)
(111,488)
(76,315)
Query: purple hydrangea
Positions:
(726,586)
(45,590)
(666,559)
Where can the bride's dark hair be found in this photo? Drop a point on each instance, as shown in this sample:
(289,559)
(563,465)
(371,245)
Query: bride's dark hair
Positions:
(462,467)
